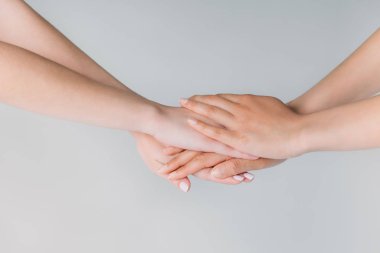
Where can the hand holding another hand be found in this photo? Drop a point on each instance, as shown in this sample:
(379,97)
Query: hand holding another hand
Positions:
(170,127)
(257,125)
(221,168)
(155,155)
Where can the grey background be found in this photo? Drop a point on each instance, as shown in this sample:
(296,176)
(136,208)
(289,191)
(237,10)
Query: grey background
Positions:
(67,187)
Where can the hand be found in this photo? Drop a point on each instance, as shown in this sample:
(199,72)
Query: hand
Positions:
(192,162)
(172,129)
(223,167)
(152,152)
(257,125)
(238,166)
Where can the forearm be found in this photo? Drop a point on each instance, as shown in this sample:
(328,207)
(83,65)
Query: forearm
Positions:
(49,42)
(348,127)
(20,25)
(32,82)
(358,77)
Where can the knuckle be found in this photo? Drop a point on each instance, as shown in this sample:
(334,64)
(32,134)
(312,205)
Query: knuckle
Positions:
(191,104)
(198,159)
(210,110)
(173,164)
(235,165)
(215,131)
(225,172)
(242,138)
(193,165)
(207,98)
(246,96)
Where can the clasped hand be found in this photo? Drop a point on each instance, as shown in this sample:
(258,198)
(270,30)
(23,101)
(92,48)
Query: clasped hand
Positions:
(252,125)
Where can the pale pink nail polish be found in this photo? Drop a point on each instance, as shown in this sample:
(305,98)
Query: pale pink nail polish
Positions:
(249,176)
(238,178)
(184,187)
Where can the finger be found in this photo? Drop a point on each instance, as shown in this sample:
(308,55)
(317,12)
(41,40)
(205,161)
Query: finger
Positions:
(219,148)
(222,140)
(201,161)
(217,133)
(235,98)
(177,161)
(215,100)
(183,184)
(248,177)
(238,166)
(243,177)
(171,150)
(212,112)
(205,174)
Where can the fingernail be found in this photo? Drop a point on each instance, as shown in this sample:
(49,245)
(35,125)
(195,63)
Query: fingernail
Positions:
(238,178)
(183,100)
(192,121)
(216,173)
(184,187)
(249,176)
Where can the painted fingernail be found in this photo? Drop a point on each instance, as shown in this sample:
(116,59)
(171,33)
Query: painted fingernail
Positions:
(249,176)
(238,178)
(192,121)
(184,187)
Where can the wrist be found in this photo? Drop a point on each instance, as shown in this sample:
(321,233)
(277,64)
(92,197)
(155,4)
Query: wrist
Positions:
(307,134)
(148,120)
(296,106)
(303,142)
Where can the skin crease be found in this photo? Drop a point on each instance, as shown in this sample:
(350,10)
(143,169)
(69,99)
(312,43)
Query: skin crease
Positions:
(347,83)
(50,47)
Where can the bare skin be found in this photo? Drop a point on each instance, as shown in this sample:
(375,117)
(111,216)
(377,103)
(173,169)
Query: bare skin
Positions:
(266,127)
(326,104)
(59,68)
(30,46)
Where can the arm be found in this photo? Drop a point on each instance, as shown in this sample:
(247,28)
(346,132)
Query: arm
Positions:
(19,23)
(48,42)
(21,26)
(266,127)
(135,113)
(356,78)
(75,97)
(32,82)
(348,127)
(348,82)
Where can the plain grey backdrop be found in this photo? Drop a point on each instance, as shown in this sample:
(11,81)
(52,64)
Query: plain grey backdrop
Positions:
(67,187)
